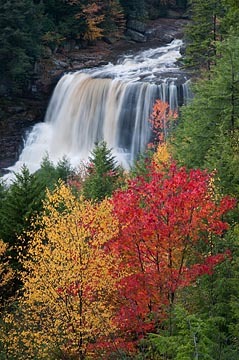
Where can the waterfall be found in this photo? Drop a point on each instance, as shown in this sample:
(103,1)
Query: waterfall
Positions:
(111,103)
(187,92)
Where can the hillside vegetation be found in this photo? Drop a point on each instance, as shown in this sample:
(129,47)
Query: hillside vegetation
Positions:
(102,263)
(31,28)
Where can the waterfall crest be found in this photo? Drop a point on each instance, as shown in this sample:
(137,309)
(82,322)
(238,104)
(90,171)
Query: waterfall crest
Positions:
(111,103)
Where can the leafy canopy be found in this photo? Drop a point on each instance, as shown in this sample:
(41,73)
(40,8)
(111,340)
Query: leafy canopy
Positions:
(69,280)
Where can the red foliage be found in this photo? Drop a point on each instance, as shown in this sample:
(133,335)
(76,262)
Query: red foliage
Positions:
(161,120)
(162,219)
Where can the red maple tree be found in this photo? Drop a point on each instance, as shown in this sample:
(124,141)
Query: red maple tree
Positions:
(162,220)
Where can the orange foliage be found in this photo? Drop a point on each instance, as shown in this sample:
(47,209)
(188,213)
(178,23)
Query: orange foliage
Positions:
(92,15)
(161,121)
(93,19)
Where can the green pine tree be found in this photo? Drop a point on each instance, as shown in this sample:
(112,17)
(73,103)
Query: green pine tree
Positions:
(191,339)
(208,131)
(134,9)
(19,204)
(103,174)
(230,19)
(22,200)
(49,174)
(20,32)
(202,32)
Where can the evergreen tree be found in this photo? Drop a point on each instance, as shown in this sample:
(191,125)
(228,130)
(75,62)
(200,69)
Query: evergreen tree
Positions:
(23,199)
(182,4)
(61,21)
(233,308)
(20,31)
(49,174)
(103,174)
(142,164)
(207,137)
(19,205)
(21,202)
(214,299)
(191,339)
(209,127)
(134,9)
(114,18)
(2,195)
(230,20)
(203,32)
(56,10)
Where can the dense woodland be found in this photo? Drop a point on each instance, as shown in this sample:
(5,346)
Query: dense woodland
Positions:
(29,27)
(102,263)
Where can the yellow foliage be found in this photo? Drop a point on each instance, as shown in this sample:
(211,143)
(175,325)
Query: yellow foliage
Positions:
(213,189)
(93,19)
(69,280)
(162,155)
(100,16)
(93,31)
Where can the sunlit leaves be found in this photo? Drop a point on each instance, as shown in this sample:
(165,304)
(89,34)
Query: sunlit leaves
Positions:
(162,220)
(105,274)
(69,277)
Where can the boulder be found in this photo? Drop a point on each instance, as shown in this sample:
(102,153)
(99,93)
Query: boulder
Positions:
(136,26)
(60,64)
(136,36)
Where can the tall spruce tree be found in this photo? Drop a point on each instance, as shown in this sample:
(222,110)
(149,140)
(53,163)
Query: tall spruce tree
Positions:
(22,199)
(103,174)
(208,130)
(203,32)
(19,205)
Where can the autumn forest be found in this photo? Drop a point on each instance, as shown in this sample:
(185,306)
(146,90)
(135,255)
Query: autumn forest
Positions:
(100,262)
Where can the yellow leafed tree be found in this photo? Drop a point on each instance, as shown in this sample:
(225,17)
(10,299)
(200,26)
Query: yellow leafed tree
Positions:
(69,282)
(93,18)
(162,155)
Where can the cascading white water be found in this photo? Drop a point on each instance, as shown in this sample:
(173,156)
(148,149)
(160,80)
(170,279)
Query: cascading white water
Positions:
(111,103)
(187,93)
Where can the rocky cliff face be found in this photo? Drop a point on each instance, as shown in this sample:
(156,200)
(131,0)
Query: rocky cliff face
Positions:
(17,115)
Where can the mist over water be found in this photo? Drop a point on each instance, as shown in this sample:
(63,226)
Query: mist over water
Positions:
(111,103)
